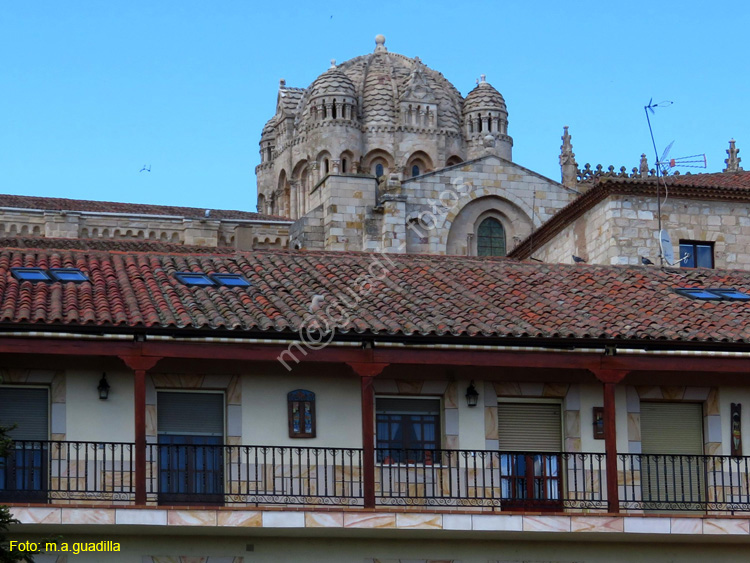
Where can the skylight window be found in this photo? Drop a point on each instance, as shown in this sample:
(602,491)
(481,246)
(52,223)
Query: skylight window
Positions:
(731,294)
(191,278)
(718,294)
(230,280)
(30,274)
(68,275)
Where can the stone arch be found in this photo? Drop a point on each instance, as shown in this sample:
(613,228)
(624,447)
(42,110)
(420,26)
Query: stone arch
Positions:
(462,229)
(347,161)
(375,157)
(261,206)
(300,183)
(37,230)
(418,163)
(281,202)
(453,160)
(324,164)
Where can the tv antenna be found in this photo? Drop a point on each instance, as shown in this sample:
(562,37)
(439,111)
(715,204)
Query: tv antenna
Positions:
(663,166)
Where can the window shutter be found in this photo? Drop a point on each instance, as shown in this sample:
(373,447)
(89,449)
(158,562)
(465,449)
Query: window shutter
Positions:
(408,406)
(668,429)
(529,427)
(672,428)
(28,409)
(190,413)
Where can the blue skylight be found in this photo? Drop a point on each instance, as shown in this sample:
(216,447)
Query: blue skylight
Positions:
(192,278)
(230,280)
(713,294)
(30,274)
(68,275)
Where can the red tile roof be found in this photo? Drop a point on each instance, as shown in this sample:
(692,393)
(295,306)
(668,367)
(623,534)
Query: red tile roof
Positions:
(721,186)
(430,296)
(62,204)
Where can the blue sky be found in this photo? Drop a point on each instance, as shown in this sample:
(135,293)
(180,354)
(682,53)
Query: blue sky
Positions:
(90,91)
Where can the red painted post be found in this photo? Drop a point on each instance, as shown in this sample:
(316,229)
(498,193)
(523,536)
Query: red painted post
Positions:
(367,373)
(140,365)
(610,378)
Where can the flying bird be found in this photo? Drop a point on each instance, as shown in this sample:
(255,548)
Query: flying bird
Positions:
(317,302)
(646,262)
(146,168)
(578,259)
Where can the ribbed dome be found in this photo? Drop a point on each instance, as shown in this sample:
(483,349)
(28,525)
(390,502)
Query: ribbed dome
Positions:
(331,83)
(268,128)
(484,97)
(377,80)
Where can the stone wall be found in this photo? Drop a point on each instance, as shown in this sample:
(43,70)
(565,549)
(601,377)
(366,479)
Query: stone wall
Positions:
(622,229)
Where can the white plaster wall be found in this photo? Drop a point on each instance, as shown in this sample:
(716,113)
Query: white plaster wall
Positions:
(337,407)
(471,434)
(90,418)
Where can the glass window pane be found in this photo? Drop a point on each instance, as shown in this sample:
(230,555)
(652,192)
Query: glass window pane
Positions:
(490,238)
(704,256)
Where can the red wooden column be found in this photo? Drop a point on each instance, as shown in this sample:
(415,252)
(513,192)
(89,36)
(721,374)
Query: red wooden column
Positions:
(140,365)
(367,373)
(610,377)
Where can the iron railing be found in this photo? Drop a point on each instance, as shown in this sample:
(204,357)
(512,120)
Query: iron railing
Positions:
(503,480)
(104,472)
(49,470)
(253,475)
(672,482)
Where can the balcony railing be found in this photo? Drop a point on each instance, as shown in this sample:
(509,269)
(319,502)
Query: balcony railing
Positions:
(205,474)
(50,470)
(104,473)
(684,482)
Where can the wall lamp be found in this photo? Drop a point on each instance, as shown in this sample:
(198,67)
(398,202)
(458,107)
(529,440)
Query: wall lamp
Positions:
(103,388)
(472,396)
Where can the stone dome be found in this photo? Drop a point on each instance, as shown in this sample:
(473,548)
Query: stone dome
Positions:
(378,81)
(332,82)
(269,129)
(484,98)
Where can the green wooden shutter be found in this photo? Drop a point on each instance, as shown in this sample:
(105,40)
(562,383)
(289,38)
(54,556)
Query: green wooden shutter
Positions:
(529,427)
(28,409)
(190,413)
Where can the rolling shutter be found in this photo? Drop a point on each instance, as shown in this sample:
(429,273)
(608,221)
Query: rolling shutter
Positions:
(28,409)
(671,428)
(190,413)
(672,443)
(529,427)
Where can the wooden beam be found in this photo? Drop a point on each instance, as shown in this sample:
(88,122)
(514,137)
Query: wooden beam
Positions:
(367,373)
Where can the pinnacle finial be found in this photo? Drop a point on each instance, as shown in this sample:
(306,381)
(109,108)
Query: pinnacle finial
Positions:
(568,160)
(483,78)
(733,162)
(380,43)
(282,82)
(643,166)
(333,63)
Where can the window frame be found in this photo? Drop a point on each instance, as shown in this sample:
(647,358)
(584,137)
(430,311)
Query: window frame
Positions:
(694,244)
(56,274)
(18,273)
(478,224)
(218,279)
(438,428)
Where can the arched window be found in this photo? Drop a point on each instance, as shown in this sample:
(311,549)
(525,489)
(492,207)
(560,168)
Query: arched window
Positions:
(327,166)
(490,238)
(343,166)
(415,170)
(378,170)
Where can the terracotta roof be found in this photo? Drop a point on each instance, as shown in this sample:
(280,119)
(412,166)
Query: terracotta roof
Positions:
(115,245)
(721,186)
(449,296)
(62,204)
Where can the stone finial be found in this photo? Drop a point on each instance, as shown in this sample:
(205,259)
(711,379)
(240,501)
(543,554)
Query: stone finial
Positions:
(489,141)
(733,162)
(282,82)
(333,63)
(482,78)
(568,161)
(643,166)
(380,44)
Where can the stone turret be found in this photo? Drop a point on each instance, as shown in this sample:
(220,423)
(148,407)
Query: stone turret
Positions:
(485,113)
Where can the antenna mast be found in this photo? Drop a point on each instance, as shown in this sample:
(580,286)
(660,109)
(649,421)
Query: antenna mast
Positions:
(650,108)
